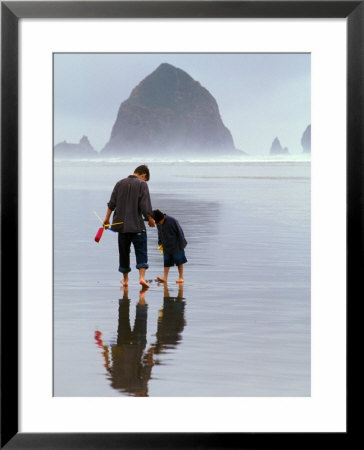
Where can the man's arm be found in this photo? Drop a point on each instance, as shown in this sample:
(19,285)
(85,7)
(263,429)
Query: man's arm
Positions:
(146,204)
(107,217)
(111,205)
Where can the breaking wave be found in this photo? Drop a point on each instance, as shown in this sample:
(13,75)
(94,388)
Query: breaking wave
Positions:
(299,157)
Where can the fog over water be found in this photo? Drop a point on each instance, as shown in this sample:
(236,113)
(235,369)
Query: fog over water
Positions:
(260,96)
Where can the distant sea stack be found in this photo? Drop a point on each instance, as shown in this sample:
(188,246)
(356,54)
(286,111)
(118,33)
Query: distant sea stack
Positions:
(82,150)
(277,149)
(306,140)
(169,113)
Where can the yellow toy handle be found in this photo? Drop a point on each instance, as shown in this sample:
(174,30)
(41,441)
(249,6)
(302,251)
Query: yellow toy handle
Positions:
(161,249)
(109,225)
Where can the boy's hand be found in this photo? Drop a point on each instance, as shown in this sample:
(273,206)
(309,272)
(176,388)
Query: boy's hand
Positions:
(106,223)
(161,249)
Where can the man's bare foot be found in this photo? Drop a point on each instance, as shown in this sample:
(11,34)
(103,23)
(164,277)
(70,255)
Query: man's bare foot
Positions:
(161,280)
(125,280)
(143,289)
(180,280)
(144,283)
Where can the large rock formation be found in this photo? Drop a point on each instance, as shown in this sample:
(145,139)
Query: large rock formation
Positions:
(169,113)
(277,149)
(83,150)
(306,140)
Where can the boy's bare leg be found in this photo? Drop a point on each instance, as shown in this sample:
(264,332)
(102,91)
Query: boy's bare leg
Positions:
(180,291)
(180,273)
(125,280)
(166,291)
(142,278)
(165,276)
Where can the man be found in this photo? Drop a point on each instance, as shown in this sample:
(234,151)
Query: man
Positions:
(130,201)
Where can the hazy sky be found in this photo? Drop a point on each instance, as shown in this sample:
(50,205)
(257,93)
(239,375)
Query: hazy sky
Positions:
(260,96)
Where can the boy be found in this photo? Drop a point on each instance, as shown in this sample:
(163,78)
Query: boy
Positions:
(171,237)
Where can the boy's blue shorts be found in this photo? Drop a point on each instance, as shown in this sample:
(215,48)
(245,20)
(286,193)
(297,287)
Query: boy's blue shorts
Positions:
(175,259)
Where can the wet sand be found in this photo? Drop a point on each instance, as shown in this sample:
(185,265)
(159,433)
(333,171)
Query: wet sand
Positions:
(239,325)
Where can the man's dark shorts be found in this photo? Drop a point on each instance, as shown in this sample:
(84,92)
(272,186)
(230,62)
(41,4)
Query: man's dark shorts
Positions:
(139,241)
(175,259)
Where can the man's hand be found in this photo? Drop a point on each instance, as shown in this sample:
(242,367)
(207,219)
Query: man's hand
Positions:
(151,221)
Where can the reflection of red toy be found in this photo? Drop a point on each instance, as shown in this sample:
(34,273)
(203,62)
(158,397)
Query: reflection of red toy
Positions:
(99,234)
(98,339)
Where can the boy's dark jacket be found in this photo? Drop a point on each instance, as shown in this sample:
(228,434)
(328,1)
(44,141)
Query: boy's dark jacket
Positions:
(171,236)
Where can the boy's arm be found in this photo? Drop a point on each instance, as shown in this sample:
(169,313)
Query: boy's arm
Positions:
(180,235)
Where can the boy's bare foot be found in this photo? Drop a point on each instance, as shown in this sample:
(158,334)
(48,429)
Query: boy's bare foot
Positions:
(161,280)
(180,280)
(144,283)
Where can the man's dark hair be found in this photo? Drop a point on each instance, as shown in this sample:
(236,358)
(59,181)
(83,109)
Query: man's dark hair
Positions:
(141,170)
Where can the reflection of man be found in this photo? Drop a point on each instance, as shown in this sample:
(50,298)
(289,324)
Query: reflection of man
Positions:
(130,201)
(130,368)
(171,321)
(128,364)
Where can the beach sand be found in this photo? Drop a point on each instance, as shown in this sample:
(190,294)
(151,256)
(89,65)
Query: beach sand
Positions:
(239,326)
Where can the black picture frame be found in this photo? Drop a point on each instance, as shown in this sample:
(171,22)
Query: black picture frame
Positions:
(11,12)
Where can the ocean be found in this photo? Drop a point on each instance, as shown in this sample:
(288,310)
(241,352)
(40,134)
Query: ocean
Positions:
(240,324)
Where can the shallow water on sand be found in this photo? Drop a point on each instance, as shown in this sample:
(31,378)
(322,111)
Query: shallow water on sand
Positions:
(240,324)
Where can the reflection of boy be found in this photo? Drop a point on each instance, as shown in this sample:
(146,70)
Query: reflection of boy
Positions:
(130,366)
(171,237)
(171,321)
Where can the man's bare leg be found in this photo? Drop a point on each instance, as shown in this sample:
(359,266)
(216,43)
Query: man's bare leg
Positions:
(142,295)
(180,273)
(165,276)
(125,280)
(142,278)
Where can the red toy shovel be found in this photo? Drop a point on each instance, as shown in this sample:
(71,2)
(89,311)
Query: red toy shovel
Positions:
(99,234)
(101,230)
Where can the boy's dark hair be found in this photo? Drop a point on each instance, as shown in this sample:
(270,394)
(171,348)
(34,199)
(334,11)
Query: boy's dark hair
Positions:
(141,170)
(157,215)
